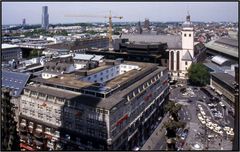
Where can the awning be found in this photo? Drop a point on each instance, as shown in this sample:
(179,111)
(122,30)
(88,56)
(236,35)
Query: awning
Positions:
(26,147)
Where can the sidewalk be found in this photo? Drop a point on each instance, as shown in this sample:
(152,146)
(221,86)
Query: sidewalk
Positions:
(157,139)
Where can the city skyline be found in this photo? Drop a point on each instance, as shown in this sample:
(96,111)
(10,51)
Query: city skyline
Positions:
(155,11)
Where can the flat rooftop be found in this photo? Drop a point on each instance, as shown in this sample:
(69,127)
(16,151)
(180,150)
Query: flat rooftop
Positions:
(52,91)
(73,80)
(225,46)
(226,78)
(120,85)
(9,46)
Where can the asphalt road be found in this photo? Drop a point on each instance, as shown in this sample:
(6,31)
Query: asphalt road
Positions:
(188,114)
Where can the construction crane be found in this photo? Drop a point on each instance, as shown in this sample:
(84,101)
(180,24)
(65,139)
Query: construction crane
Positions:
(110,17)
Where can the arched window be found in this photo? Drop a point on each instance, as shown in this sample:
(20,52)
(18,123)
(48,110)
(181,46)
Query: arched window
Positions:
(178,60)
(172,60)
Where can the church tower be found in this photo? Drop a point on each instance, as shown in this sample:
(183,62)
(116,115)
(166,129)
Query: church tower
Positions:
(188,35)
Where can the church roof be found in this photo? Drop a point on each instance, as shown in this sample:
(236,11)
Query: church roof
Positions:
(173,41)
(187,56)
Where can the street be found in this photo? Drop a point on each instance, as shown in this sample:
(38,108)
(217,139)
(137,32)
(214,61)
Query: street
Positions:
(198,133)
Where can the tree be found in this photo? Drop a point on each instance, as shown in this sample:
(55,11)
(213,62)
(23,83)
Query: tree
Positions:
(198,74)
(173,109)
(34,53)
(172,124)
(9,136)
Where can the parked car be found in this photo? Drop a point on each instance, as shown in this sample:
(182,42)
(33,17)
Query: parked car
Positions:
(221,104)
(184,134)
(195,88)
(179,131)
(136,149)
(214,109)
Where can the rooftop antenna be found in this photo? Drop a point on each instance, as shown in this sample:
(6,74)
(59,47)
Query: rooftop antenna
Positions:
(187,9)
(188,15)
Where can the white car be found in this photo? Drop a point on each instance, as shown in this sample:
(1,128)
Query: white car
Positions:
(221,104)
(213,109)
(136,149)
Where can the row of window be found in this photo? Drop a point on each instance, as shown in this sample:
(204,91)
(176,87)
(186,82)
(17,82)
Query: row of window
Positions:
(93,132)
(40,127)
(43,96)
(143,87)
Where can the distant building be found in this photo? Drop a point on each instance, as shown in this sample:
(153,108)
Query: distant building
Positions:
(45,17)
(223,84)
(147,24)
(226,47)
(82,44)
(57,67)
(23,22)
(139,28)
(14,82)
(10,52)
(114,106)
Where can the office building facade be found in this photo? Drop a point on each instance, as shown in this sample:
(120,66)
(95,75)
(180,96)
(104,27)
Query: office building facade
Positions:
(223,84)
(111,107)
(10,52)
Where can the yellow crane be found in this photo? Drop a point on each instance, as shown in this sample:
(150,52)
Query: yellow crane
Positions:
(110,17)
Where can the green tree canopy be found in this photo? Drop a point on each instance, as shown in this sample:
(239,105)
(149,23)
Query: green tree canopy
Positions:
(198,74)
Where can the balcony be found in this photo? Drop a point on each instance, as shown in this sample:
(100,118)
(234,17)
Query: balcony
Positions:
(23,129)
(23,138)
(59,146)
(50,145)
(38,134)
(25,146)
(48,135)
(23,124)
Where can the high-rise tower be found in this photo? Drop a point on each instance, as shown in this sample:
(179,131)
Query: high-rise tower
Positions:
(147,24)
(139,27)
(24,22)
(45,17)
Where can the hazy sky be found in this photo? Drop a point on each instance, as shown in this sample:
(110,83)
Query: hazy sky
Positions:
(14,12)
